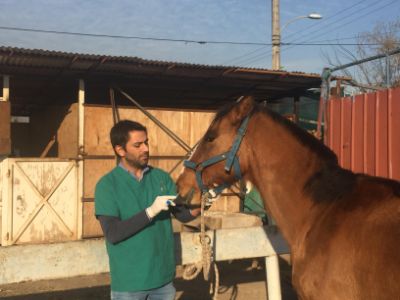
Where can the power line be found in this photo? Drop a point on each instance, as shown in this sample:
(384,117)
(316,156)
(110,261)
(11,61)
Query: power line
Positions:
(346,9)
(263,55)
(339,26)
(128,37)
(237,58)
(347,38)
(173,40)
(352,21)
(243,55)
(259,57)
(332,44)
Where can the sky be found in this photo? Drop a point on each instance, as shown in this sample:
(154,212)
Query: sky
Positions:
(209,21)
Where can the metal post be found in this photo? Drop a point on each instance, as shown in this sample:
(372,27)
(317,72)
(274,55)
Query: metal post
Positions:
(276,36)
(357,62)
(273,277)
(326,77)
(387,79)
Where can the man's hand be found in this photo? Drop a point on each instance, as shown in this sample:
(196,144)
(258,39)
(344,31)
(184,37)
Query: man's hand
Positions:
(160,203)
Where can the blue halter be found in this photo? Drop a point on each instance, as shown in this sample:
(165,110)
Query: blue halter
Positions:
(230,157)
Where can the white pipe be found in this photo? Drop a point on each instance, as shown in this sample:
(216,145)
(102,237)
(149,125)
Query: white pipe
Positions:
(273,278)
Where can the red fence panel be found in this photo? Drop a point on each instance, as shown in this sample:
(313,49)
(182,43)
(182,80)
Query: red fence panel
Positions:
(357,140)
(345,128)
(381,134)
(394,133)
(369,134)
(335,125)
(364,132)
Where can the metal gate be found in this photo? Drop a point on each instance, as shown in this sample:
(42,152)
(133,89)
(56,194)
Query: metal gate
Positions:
(39,201)
(364,132)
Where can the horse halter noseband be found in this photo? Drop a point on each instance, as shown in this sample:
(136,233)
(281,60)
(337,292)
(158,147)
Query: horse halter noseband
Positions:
(231,160)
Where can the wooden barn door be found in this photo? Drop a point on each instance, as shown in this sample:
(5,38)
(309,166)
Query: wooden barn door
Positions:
(39,198)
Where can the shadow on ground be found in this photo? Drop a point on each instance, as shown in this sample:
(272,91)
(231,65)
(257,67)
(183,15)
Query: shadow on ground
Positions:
(94,293)
(239,280)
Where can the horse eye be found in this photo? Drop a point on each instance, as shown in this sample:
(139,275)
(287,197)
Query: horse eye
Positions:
(210,138)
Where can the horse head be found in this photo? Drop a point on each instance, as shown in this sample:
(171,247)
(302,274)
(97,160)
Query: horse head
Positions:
(215,163)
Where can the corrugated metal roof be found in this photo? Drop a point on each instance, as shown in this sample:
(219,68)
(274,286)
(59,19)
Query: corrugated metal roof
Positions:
(43,77)
(12,56)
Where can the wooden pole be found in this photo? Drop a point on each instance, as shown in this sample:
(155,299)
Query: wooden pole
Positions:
(276,36)
(5,119)
(81,151)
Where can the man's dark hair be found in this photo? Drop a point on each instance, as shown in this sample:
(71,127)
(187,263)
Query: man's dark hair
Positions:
(119,134)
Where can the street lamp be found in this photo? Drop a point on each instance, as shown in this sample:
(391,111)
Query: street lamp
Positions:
(313,16)
(276,32)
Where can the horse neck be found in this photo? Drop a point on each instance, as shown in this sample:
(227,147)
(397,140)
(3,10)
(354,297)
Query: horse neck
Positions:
(280,167)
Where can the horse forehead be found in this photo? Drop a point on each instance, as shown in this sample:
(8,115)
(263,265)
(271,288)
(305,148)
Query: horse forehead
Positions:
(189,158)
(193,151)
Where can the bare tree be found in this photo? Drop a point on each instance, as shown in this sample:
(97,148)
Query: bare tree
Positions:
(383,38)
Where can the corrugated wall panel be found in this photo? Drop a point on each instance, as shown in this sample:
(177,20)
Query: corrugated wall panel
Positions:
(345,141)
(364,132)
(381,134)
(394,133)
(357,134)
(369,134)
(335,123)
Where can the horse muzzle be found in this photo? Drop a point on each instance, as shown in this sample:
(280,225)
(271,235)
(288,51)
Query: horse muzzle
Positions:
(186,199)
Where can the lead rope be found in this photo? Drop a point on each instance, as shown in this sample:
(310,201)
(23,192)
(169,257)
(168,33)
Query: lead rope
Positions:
(191,271)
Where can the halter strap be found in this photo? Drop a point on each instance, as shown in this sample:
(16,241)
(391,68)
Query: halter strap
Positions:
(235,146)
(230,157)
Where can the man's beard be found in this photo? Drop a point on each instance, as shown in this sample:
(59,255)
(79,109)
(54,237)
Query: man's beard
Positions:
(137,163)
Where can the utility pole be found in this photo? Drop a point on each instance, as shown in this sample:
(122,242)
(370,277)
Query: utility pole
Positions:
(276,36)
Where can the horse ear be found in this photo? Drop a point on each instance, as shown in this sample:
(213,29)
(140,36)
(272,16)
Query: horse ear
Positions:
(244,106)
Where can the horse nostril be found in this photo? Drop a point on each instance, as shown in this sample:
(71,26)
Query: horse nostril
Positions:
(185,200)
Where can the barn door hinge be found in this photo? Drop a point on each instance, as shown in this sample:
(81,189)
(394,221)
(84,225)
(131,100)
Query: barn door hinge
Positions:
(8,173)
(7,236)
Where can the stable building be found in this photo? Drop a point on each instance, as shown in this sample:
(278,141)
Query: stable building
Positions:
(56,111)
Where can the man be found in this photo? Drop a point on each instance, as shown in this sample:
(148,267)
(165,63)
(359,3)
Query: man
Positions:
(133,204)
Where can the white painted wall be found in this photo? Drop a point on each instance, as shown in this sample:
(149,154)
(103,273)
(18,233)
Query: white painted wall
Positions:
(87,257)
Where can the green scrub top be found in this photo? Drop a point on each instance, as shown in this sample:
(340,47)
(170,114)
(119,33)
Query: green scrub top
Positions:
(147,259)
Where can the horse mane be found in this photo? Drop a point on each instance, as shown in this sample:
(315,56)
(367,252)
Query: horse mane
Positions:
(331,182)
(302,135)
(223,111)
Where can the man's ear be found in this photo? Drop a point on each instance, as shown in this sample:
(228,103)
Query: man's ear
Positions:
(242,109)
(120,150)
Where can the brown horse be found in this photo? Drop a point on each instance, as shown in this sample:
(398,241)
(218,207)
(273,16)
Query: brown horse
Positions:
(343,228)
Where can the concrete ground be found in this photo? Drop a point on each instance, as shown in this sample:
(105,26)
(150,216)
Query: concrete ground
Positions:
(238,281)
